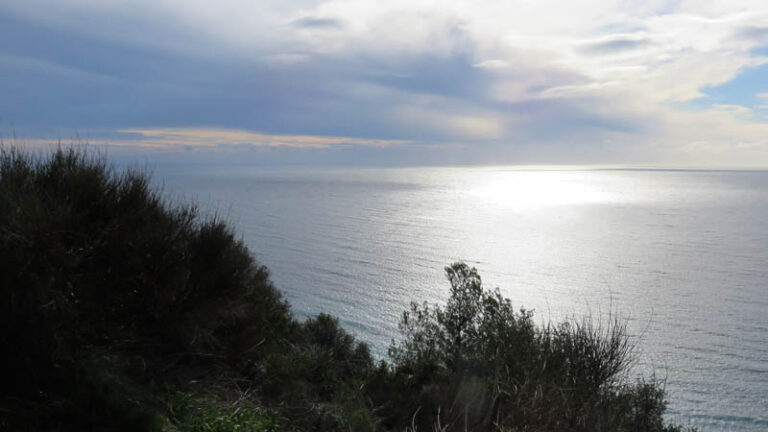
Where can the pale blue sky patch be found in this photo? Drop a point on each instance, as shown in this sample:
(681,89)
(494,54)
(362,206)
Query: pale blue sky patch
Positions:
(742,90)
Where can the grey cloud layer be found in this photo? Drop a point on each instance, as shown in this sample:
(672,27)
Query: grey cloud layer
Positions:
(429,76)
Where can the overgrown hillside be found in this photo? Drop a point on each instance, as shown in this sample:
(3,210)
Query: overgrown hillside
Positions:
(121,312)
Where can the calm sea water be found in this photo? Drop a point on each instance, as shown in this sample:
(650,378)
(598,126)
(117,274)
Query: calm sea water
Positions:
(682,255)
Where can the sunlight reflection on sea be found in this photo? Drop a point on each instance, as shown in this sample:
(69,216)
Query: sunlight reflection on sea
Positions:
(682,255)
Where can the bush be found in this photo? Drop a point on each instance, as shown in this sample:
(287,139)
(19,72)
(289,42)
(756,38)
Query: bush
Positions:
(111,299)
(476,364)
(193,413)
(319,381)
(102,281)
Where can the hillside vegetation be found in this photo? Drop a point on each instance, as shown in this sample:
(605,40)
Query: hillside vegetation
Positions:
(122,312)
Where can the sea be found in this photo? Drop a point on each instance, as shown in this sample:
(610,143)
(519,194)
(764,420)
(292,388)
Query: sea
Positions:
(680,255)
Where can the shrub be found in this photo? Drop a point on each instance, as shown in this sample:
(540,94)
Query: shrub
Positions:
(476,364)
(109,297)
(194,413)
(319,380)
(97,266)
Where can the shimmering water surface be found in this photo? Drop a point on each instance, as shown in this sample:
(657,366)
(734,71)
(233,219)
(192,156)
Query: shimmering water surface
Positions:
(683,255)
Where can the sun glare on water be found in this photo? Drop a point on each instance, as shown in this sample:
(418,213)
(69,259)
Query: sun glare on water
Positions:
(525,189)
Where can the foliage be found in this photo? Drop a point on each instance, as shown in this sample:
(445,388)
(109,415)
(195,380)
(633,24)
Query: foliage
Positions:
(193,413)
(110,298)
(102,280)
(318,380)
(476,364)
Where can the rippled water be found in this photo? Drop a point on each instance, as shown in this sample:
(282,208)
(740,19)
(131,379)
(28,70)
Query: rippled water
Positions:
(683,255)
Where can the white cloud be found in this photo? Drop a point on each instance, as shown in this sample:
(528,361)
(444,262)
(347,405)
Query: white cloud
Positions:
(492,64)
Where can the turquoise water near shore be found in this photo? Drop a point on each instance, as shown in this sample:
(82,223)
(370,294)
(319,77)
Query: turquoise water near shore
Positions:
(681,255)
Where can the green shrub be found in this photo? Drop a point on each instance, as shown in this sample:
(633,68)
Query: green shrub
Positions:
(193,413)
(319,380)
(476,364)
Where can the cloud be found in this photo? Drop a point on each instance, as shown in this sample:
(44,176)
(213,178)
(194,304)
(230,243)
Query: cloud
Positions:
(170,138)
(317,23)
(215,138)
(492,64)
(759,34)
(614,45)
(610,79)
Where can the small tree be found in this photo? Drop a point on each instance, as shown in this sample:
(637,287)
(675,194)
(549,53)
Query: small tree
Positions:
(475,364)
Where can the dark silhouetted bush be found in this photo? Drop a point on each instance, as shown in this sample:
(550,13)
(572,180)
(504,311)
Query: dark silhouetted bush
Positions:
(113,303)
(104,285)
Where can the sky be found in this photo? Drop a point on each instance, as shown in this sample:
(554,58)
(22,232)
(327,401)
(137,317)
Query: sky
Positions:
(401,82)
